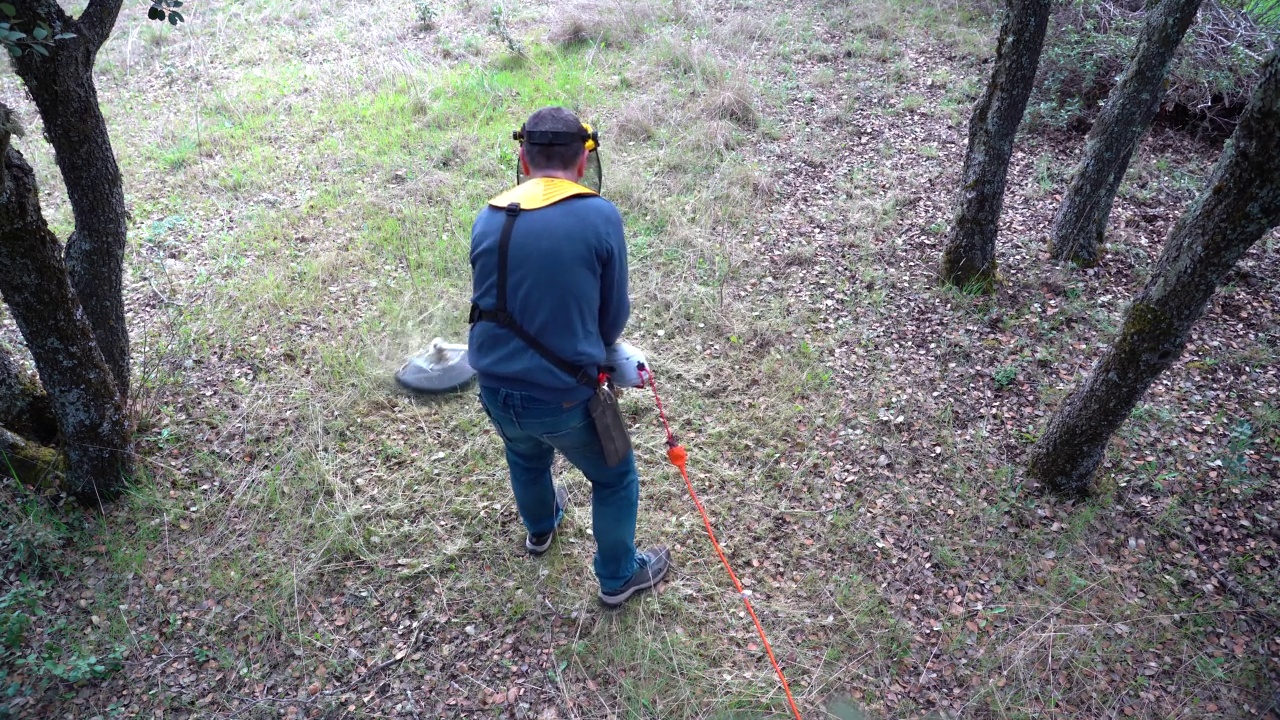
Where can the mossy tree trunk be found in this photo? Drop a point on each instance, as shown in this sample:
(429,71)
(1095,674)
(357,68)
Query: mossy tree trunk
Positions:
(24,408)
(63,89)
(68,301)
(1081,221)
(33,464)
(969,256)
(1239,204)
(34,283)
(27,425)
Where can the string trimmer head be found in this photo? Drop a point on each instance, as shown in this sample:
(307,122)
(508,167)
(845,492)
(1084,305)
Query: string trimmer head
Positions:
(443,368)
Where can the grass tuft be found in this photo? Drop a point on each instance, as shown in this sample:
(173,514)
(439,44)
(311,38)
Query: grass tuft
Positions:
(735,104)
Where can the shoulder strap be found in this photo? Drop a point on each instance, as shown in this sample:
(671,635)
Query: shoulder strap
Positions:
(503,317)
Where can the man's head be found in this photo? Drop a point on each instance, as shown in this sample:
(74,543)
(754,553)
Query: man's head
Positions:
(567,161)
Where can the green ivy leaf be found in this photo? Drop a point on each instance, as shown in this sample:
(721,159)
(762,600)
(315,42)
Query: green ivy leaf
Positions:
(40,49)
(8,9)
(14,50)
(176,3)
(64,36)
(15,35)
(175,17)
(39,33)
(155,13)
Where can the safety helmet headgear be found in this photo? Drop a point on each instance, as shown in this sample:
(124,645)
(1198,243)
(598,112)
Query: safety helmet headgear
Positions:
(585,135)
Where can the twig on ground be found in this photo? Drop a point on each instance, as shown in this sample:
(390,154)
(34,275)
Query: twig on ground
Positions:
(162,296)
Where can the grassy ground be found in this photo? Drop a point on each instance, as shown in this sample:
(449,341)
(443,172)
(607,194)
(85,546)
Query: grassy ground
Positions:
(308,542)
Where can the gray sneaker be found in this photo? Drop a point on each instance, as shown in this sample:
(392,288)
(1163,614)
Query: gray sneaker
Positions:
(657,563)
(538,544)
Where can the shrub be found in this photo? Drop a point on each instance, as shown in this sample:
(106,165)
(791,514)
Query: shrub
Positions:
(1091,41)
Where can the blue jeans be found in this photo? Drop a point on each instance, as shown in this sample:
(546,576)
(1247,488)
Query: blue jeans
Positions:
(532,430)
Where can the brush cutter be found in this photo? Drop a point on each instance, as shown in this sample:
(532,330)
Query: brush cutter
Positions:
(443,368)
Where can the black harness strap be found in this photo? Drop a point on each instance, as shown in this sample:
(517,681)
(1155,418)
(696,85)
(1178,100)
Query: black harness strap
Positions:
(504,247)
(500,315)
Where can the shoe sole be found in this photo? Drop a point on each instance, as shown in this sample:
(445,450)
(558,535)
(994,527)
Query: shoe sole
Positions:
(614,601)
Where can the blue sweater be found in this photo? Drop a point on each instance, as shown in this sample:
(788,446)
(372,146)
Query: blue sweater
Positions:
(566,286)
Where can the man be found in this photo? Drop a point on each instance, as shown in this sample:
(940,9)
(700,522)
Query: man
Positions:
(565,289)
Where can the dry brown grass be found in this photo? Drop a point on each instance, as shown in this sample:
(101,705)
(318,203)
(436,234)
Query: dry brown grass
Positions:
(735,103)
(740,34)
(702,140)
(637,121)
(596,22)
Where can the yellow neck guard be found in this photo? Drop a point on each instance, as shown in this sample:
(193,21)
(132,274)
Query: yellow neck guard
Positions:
(540,192)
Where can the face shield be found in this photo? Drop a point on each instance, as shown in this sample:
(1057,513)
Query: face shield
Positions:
(592,178)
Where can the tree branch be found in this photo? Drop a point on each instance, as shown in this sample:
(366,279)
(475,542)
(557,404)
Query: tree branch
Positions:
(91,29)
(97,20)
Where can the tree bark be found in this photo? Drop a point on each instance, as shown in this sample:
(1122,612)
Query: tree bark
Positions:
(24,408)
(1240,203)
(34,283)
(64,93)
(1081,221)
(31,464)
(969,256)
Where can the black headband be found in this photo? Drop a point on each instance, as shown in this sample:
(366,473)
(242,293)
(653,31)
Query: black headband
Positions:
(551,137)
(585,135)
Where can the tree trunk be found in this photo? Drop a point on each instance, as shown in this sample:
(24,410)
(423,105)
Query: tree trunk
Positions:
(24,408)
(64,93)
(970,253)
(34,283)
(1081,222)
(1240,203)
(31,464)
